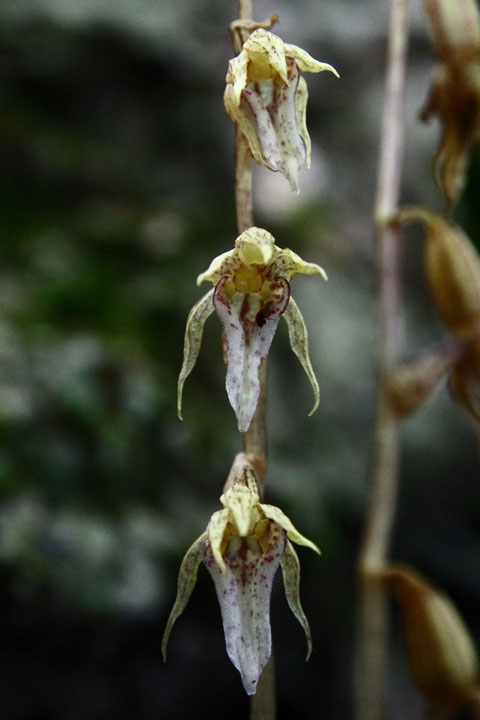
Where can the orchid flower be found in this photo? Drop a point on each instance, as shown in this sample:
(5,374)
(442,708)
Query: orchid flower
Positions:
(252,290)
(267,97)
(242,548)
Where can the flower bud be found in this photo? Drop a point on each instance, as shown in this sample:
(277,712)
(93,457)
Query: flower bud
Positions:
(441,655)
(452,267)
(413,382)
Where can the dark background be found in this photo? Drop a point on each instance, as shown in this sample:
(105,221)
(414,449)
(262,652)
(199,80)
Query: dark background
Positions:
(116,180)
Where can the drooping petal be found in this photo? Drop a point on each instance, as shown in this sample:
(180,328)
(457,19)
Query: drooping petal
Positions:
(244,596)
(215,533)
(258,122)
(301,110)
(187,577)
(197,317)
(274,513)
(298,335)
(305,61)
(249,329)
(289,141)
(291,580)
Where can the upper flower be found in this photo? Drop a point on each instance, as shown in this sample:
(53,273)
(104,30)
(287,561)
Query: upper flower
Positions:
(267,97)
(252,290)
(242,548)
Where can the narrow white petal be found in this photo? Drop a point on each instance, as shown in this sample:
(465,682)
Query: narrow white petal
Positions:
(290,142)
(244,596)
(248,338)
(264,129)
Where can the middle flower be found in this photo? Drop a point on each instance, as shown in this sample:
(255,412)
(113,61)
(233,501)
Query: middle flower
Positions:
(252,290)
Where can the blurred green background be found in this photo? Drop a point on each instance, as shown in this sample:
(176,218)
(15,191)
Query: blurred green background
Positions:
(116,191)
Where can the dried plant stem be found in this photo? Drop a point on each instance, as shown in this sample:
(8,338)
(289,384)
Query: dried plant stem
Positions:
(372,612)
(262,706)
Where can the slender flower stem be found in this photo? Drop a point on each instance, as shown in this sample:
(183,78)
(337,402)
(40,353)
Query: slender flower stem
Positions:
(372,637)
(262,705)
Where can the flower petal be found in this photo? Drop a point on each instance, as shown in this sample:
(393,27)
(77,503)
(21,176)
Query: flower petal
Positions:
(244,117)
(219,266)
(197,317)
(284,115)
(248,335)
(261,42)
(301,99)
(287,263)
(279,517)
(187,577)
(242,506)
(244,596)
(215,533)
(306,62)
(237,75)
(291,580)
(256,121)
(298,335)
(255,246)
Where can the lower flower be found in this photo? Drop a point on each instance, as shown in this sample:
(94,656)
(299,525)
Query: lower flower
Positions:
(242,548)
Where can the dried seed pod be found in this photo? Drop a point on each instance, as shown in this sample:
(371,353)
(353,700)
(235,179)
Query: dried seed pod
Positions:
(440,651)
(455,27)
(412,382)
(452,267)
(455,90)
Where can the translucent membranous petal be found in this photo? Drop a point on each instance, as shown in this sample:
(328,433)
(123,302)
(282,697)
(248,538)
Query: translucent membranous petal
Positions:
(297,331)
(291,581)
(197,317)
(243,593)
(249,328)
(187,578)
(279,517)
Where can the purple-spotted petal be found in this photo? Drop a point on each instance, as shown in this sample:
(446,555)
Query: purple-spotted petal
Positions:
(243,593)
(249,326)
(289,139)
(263,126)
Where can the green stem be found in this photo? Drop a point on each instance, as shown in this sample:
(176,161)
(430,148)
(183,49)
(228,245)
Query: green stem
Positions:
(372,639)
